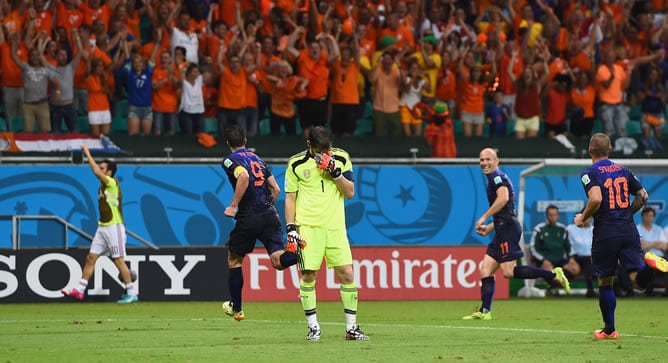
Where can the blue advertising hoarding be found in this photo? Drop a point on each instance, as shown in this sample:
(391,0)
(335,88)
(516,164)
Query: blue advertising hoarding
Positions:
(182,205)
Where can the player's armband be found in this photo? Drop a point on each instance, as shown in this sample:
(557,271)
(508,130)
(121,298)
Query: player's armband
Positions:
(239,170)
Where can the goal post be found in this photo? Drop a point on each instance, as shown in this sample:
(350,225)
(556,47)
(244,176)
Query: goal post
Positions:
(572,167)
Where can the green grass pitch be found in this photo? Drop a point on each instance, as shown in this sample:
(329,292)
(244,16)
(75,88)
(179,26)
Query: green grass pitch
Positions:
(553,329)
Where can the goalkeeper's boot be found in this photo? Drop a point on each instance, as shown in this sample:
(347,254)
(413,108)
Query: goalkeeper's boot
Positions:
(128,299)
(600,334)
(229,311)
(313,334)
(479,315)
(356,334)
(74,294)
(563,280)
(656,262)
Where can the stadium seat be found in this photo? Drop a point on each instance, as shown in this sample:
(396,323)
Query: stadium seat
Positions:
(119,124)
(84,126)
(16,124)
(263,127)
(211,125)
(3,124)
(121,109)
(633,128)
(598,126)
(364,127)
(635,112)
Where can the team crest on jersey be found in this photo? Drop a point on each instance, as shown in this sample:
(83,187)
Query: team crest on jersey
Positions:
(307,173)
(585,179)
(497,180)
(227,163)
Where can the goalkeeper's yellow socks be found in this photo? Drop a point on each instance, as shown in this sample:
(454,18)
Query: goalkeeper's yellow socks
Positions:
(307,296)
(349,300)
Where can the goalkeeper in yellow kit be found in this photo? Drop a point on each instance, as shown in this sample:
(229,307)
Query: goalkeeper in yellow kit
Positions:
(316,181)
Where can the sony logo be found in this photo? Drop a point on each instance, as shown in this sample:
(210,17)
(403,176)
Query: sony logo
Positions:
(104,265)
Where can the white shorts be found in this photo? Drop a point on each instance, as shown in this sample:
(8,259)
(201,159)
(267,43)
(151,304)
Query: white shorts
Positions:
(109,241)
(474,118)
(99,117)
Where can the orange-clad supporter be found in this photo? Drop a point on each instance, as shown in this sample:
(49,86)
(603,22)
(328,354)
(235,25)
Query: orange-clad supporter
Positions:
(505,83)
(557,97)
(465,69)
(312,65)
(210,94)
(50,54)
(430,63)
(12,80)
(95,9)
(583,99)
(228,12)
(367,47)
(231,93)
(345,96)
(387,77)
(89,51)
(251,63)
(473,100)
(285,89)
(612,80)
(161,15)
(165,98)
(527,107)
(180,61)
(406,17)
(556,66)
(268,63)
(403,34)
(42,16)
(130,17)
(440,134)
(580,59)
(12,18)
(99,112)
(68,15)
(147,48)
(219,37)
(615,9)
(285,5)
(446,83)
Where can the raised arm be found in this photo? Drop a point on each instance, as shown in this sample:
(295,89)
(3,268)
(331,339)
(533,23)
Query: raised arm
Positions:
(93,165)
(292,40)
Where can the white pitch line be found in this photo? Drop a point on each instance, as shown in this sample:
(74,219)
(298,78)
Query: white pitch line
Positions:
(382,325)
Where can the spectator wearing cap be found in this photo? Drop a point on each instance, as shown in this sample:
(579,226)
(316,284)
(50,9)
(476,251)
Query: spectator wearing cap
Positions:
(430,63)
(387,78)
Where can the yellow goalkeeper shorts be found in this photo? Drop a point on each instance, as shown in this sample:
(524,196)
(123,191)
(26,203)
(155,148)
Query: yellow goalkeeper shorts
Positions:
(330,244)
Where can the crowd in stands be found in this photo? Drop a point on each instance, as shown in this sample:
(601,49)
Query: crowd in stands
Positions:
(498,67)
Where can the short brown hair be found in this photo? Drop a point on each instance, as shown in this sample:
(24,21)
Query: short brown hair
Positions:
(600,145)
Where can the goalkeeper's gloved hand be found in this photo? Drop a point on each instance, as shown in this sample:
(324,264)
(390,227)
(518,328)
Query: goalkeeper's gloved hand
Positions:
(294,239)
(325,161)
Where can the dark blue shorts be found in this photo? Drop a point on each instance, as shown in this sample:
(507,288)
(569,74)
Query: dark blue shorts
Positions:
(506,244)
(264,226)
(605,255)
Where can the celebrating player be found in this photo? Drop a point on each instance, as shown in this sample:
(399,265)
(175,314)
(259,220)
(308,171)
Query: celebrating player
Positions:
(255,191)
(609,186)
(110,235)
(505,249)
(316,181)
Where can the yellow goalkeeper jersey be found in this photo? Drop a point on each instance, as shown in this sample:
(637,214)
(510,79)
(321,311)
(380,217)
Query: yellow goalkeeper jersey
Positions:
(319,202)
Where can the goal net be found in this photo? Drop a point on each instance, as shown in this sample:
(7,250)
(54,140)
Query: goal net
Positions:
(556,181)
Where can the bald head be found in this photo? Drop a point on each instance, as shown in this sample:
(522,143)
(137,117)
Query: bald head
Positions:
(600,145)
(489,161)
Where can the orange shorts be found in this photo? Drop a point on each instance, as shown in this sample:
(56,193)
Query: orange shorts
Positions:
(408,117)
